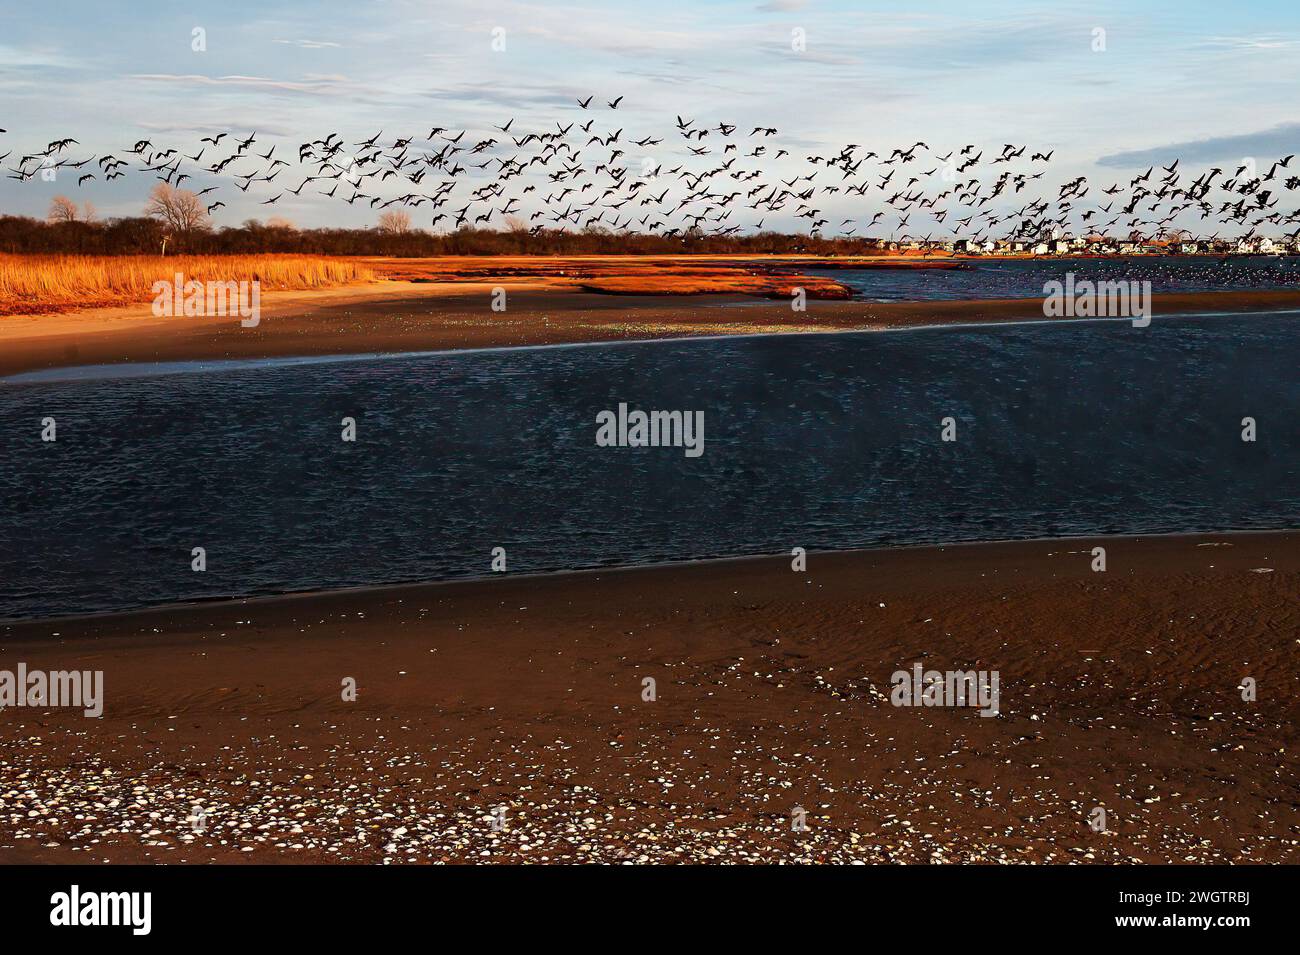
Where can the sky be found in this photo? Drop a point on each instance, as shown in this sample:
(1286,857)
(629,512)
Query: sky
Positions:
(1211,82)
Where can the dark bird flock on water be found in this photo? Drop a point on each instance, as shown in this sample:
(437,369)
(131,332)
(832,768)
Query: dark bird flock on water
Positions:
(705,179)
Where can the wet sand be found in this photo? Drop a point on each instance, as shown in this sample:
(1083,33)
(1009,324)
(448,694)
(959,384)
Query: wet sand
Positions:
(415,316)
(1117,690)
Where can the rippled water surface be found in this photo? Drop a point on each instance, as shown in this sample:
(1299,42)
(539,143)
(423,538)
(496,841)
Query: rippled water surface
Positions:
(819,441)
(1025,278)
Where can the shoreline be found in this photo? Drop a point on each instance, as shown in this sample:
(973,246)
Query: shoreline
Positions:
(1118,689)
(411,317)
(417,587)
(147,369)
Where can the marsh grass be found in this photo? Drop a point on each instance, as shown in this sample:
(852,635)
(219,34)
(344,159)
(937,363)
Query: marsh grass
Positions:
(52,283)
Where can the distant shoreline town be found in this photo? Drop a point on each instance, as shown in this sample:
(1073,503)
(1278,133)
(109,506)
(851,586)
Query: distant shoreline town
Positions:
(1099,246)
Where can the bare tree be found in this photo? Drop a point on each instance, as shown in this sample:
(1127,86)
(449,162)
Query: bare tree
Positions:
(183,211)
(279,222)
(88,211)
(62,209)
(395,222)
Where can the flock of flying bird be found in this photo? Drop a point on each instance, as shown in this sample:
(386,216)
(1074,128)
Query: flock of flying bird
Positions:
(577,175)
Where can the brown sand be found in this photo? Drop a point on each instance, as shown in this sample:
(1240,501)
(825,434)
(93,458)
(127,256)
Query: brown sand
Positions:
(760,276)
(1118,689)
(415,316)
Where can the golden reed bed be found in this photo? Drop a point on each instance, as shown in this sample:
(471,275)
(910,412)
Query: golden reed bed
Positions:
(48,283)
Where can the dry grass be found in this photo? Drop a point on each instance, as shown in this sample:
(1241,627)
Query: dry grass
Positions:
(54,283)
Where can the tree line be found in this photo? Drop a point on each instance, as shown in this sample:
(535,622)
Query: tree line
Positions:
(144,236)
(176,223)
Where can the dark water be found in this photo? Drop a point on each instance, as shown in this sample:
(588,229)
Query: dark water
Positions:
(818,441)
(1024,278)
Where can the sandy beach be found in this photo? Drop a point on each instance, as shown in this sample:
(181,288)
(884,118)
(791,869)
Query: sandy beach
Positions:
(505,720)
(400,315)
(1119,690)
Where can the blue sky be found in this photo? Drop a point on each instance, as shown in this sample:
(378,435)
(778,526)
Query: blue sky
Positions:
(1208,81)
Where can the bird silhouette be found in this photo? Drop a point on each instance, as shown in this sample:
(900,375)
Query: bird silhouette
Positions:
(709,178)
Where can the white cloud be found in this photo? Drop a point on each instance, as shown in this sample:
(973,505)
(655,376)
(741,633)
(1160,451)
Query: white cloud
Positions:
(313,83)
(1253,42)
(310,44)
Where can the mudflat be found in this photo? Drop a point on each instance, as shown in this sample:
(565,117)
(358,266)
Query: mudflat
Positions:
(401,315)
(506,719)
